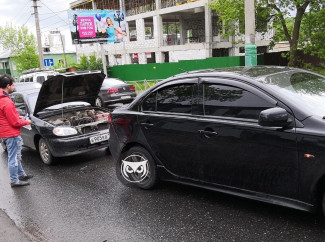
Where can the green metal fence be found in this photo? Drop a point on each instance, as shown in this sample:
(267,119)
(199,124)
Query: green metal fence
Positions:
(144,76)
(155,71)
(143,85)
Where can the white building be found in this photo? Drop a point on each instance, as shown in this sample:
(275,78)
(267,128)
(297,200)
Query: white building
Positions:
(196,35)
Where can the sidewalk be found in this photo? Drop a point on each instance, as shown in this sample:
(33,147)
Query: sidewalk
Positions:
(9,232)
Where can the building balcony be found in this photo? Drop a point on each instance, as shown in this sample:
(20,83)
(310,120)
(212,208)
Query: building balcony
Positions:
(172,3)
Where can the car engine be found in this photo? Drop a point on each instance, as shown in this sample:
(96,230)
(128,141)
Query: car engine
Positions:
(84,121)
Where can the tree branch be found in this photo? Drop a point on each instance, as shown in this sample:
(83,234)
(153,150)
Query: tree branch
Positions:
(283,22)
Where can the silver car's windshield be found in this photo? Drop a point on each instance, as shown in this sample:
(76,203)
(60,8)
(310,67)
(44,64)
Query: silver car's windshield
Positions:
(31,99)
(307,90)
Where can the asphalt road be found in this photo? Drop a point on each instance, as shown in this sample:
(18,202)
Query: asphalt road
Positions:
(80,199)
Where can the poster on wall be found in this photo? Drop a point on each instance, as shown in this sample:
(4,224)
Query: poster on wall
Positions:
(94,26)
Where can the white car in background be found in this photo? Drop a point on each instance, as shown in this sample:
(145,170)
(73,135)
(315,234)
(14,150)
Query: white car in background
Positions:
(37,75)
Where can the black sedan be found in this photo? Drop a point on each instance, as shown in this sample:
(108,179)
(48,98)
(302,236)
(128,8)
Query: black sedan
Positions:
(65,120)
(256,132)
(115,91)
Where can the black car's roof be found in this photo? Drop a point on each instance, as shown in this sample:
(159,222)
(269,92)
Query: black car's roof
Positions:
(254,72)
(254,75)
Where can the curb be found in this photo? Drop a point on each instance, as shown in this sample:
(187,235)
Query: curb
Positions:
(9,231)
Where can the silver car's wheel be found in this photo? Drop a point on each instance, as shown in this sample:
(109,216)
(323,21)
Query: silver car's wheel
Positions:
(45,153)
(99,102)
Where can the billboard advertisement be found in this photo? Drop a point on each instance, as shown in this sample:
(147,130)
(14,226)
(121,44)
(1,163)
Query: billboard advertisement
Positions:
(94,26)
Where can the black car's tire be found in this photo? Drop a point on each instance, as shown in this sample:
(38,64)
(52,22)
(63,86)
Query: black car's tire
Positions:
(321,208)
(138,154)
(99,102)
(45,152)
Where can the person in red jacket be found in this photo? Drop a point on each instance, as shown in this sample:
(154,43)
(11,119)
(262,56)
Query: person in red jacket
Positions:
(10,124)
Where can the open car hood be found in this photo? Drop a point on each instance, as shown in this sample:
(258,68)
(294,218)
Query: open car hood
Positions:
(69,87)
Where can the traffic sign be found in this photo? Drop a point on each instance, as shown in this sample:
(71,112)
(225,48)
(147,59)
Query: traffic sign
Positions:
(48,62)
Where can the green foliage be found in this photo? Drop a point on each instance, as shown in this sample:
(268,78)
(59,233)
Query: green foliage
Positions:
(61,64)
(306,30)
(230,12)
(90,63)
(22,46)
(171,28)
(279,32)
(314,27)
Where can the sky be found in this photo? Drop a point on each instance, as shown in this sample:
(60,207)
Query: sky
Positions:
(52,15)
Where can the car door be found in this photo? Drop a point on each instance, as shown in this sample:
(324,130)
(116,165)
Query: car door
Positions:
(22,109)
(235,150)
(168,122)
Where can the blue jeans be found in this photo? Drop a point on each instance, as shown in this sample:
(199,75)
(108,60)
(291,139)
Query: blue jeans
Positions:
(14,145)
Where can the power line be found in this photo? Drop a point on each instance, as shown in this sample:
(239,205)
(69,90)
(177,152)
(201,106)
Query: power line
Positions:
(53,12)
(53,24)
(22,10)
(27,20)
(46,18)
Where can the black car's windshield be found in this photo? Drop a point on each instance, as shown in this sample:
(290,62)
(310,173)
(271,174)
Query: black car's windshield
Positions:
(32,98)
(307,90)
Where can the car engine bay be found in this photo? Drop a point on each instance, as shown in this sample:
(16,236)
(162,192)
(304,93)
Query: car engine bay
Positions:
(84,121)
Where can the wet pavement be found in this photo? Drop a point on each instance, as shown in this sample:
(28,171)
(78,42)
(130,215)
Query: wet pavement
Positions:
(80,199)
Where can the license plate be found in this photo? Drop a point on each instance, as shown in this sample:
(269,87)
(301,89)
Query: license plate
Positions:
(125,97)
(99,138)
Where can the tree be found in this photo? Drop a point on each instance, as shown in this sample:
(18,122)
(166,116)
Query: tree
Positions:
(91,63)
(276,12)
(61,64)
(22,46)
(314,27)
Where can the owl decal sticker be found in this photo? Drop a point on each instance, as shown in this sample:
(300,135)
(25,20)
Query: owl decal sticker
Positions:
(134,168)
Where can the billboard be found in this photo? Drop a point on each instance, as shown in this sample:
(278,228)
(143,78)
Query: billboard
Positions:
(93,26)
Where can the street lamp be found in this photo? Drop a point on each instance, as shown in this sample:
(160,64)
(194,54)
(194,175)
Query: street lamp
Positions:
(118,16)
(75,23)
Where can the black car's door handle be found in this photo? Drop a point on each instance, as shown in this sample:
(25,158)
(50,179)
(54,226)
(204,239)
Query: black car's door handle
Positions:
(147,125)
(208,134)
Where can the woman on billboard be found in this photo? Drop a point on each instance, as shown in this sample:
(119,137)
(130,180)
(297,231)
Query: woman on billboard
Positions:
(114,33)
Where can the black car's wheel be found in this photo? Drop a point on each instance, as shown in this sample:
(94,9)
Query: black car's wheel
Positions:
(137,167)
(45,153)
(99,102)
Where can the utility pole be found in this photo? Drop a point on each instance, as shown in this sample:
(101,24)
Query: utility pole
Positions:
(38,33)
(65,58)
(250,47)
(102,50)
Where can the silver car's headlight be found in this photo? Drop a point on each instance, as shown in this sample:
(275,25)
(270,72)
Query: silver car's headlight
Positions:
(64,131)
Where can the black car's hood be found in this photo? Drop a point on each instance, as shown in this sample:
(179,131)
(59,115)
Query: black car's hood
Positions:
(69,88)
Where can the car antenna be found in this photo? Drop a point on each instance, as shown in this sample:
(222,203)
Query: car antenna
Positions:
(182,70)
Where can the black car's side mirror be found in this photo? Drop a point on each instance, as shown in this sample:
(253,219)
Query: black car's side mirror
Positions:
(274,117)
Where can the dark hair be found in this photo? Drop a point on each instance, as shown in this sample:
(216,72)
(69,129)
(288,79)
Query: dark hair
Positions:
(6,80)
